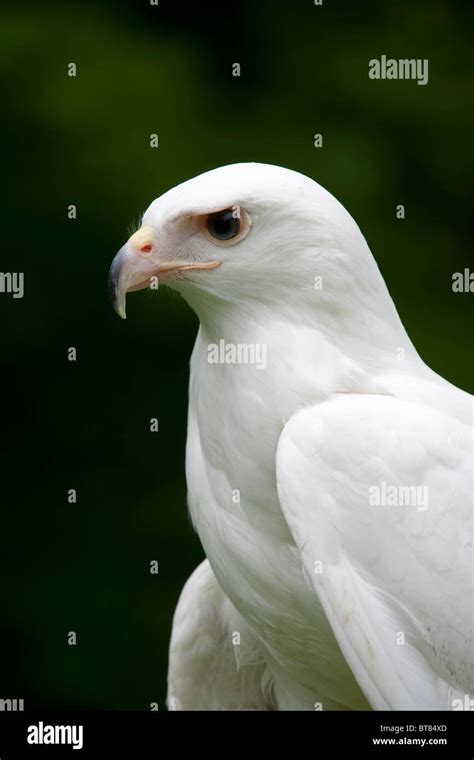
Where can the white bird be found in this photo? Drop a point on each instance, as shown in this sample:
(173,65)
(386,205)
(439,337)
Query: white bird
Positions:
(328,467)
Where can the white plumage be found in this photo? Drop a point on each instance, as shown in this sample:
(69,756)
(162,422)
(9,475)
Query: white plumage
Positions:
(314,595)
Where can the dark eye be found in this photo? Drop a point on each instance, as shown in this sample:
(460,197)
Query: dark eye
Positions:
(224,225)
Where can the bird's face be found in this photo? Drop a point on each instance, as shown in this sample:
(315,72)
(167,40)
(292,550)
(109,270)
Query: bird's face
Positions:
(240,233)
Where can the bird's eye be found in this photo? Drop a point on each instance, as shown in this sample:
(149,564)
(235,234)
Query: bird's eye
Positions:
(224,225)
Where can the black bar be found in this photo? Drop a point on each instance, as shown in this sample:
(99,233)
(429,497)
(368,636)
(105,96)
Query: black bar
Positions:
(316,735)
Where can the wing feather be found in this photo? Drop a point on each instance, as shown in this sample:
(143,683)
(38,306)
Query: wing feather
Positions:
(395,579)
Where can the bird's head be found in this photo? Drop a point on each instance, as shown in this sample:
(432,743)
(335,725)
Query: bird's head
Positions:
(244,234)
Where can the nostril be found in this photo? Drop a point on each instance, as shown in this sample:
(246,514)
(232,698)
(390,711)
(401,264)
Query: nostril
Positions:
(142,240)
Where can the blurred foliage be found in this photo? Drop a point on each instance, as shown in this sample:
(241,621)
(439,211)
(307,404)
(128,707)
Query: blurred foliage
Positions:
(167,69)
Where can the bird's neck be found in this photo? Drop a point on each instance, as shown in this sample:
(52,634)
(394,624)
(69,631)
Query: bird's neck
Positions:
(341,343)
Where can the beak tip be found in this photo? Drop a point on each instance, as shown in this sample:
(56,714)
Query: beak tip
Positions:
(120,310)
(117,295)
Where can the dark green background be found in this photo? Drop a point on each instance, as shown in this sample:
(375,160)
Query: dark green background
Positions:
(85,141)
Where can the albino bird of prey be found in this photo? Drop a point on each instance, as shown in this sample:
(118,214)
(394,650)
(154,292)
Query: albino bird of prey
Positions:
(328,467)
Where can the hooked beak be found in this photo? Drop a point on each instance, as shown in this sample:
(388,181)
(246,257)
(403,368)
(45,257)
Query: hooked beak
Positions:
(137,266)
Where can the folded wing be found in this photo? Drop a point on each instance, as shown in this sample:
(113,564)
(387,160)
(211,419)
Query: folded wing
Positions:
(377,494)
